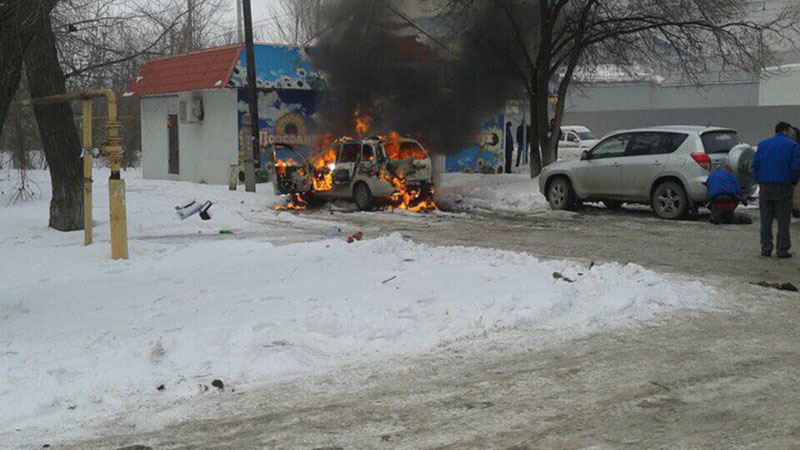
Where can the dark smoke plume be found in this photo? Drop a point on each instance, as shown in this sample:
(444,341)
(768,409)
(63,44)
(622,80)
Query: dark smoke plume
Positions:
(437,90)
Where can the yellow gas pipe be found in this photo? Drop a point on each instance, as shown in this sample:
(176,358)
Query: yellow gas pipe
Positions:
(111,149)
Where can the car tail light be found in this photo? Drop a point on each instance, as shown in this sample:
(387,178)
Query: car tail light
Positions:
(703,160)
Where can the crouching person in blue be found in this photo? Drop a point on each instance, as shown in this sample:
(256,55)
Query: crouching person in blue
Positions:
(725,194)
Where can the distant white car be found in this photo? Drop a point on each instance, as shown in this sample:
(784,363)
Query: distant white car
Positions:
(578,137)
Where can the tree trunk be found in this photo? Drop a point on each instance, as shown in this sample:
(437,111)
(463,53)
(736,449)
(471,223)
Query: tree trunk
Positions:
(18,25)
(534,139)
(19,150)
(57,129)
(10,67)
(540,126)
(561,101)
(13,41)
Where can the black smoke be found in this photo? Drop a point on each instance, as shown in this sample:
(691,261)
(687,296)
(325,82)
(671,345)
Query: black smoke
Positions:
(437,88)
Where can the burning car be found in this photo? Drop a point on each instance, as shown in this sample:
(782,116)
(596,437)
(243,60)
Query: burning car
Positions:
(388,169)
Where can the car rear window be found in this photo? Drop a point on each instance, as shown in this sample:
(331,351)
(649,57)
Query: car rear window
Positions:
(401,150)
(719,141)
(654,143)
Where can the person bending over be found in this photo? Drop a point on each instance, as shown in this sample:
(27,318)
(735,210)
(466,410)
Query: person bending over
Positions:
(725,194)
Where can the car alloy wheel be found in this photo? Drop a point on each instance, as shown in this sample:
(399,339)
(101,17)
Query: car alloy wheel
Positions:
(560,194)
(669,201)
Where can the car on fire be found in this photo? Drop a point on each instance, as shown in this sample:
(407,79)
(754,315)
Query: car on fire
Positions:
(665,167)
(390,169)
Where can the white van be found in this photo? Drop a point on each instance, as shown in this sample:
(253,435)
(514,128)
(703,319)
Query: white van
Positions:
(578,137)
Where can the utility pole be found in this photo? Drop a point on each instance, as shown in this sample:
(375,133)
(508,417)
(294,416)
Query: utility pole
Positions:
(296,28)
(318,19)
(251,151)
(239,21)
(190,25)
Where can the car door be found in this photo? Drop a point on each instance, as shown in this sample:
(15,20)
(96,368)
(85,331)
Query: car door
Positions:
(292,170)
(346,162)
(568,139)
(601,174)
(369,171)
(369,159)
(645,159)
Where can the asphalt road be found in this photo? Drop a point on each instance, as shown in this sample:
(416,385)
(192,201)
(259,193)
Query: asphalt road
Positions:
(721,379)
(632,235)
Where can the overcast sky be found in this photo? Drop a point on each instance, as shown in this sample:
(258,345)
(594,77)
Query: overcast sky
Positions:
(262,10)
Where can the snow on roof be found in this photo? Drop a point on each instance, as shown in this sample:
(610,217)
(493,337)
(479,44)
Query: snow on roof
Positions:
(610,73)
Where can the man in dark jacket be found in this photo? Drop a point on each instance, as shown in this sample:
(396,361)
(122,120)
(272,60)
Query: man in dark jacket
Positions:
(724,194)
(522,144)
(776,167)
(550,130)
(509,147)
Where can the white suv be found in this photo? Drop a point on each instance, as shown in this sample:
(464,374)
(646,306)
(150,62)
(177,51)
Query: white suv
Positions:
(665,167)
(363,170)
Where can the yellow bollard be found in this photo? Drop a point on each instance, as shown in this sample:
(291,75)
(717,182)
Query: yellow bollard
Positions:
(116,186)
(112,149)
(87,172)
(119,225)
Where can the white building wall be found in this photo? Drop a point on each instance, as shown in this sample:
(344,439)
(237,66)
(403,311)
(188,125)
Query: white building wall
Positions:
(155,151)
(650,96)
(781,88)
(207,148)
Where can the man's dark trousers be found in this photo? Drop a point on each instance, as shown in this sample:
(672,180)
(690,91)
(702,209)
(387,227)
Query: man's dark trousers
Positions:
(775,203)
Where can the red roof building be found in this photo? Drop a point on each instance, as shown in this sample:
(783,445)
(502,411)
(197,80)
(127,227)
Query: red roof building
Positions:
(193,107)
(205,69)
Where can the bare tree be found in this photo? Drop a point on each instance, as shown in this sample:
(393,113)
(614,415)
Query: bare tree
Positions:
(103,43)
(18,26)
(542,43)
(297,21)
(57,129)
(82,44)
(20,133)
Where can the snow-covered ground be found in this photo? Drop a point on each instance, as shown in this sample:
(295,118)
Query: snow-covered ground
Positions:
(85,340)
(509,193)
(516,193)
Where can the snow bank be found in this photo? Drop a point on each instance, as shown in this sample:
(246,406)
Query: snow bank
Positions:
(84,339)
(505,193)
(150,206)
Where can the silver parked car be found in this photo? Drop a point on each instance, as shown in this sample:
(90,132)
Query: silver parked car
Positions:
(665,167)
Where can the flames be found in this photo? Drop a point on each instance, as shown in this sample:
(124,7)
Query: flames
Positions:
(412,199)
(395,149)
(280,166)
(409,198)
(405,197)
(323,178)
(296,202)
(362,122)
